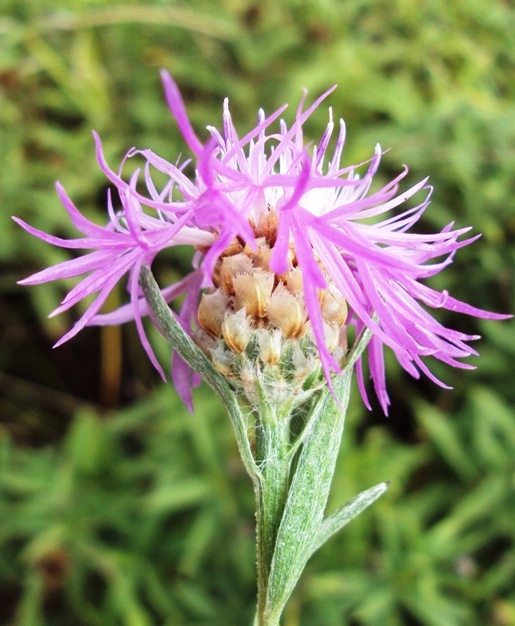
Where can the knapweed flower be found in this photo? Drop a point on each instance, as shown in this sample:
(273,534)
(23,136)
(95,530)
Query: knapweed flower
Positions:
(291,247)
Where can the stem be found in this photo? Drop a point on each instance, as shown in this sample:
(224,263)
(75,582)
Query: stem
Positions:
(272,448)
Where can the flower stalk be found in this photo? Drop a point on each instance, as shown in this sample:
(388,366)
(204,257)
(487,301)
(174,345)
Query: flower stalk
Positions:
(291,473)
(272,450)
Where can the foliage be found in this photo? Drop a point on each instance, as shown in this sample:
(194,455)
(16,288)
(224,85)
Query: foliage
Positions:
(116,506)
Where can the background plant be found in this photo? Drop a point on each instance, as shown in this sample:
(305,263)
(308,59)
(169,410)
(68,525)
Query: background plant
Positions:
(114,502)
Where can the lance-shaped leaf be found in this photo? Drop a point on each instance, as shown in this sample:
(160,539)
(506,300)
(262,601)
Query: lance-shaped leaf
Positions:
(343,515)
(307,498)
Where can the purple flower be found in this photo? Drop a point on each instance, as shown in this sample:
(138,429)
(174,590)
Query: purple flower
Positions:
(339,235)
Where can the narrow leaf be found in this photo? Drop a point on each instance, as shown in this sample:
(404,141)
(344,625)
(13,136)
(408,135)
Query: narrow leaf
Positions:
(342,516)
(307,497)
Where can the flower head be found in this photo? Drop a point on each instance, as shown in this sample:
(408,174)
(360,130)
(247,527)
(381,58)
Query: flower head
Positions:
(282,233)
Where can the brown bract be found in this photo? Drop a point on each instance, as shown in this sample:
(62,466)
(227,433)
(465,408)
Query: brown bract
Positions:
(255,327)
(245,282)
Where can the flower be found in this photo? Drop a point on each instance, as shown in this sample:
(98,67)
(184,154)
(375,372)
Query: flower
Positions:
(306,220)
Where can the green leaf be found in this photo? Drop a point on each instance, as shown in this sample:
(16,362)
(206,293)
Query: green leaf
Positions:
(307,497)
(342,516)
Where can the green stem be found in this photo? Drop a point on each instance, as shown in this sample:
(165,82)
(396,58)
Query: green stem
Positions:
(272,450)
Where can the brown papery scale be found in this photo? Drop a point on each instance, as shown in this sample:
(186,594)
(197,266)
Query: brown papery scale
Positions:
(254,323)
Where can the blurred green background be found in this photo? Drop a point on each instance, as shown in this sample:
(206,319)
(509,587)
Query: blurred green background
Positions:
(117,507)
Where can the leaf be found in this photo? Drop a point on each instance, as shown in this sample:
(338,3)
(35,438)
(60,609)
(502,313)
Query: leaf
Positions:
(342,516)
(307,498)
